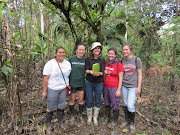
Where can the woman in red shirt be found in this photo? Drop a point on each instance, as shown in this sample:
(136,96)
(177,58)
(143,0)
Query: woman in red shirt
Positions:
(112,86)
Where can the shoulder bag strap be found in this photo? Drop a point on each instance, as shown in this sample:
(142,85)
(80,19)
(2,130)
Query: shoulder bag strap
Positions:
(61,72)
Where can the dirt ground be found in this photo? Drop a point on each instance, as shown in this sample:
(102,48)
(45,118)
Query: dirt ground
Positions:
(156,112)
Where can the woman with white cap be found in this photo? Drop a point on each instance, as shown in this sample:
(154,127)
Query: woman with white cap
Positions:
(94,67)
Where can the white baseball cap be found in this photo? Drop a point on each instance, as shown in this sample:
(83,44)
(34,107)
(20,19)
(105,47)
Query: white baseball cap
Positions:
(95,44)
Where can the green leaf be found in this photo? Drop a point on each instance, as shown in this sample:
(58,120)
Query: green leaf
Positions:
(9,69)
(4,70)
(3,92)
(39,48)
(1,6)
(15,36)
(9,64)
(45,48)
(5,0)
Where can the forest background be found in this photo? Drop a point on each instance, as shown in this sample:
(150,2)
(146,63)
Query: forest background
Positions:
(32,29)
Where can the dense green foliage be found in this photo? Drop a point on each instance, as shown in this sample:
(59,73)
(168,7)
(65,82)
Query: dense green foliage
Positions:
(36,28)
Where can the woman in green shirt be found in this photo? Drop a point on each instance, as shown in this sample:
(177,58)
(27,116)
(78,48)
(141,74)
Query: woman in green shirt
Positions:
(77,81)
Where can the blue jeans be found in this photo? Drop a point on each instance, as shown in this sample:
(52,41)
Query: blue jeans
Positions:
(91,89)
(129,97)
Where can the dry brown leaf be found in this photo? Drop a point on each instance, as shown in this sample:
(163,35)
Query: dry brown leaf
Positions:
(125,130)
(143,99)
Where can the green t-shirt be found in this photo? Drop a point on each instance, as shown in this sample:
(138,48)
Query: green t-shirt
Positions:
(77,78)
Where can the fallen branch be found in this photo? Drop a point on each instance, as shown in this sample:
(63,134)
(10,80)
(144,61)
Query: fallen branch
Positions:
(163,125)
(150,121)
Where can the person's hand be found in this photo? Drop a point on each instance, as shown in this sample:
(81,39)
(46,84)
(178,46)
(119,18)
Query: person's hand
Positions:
(44,95)
(138,90)
(118,93)
(95,73)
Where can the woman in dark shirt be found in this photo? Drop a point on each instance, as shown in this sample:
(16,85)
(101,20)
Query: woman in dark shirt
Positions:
(94,81)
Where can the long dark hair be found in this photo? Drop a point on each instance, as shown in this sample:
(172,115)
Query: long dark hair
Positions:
(91,54)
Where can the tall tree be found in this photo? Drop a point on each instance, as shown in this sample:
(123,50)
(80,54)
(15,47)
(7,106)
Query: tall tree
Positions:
(91,14)
(174,50)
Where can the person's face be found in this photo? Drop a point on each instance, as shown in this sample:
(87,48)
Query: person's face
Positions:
(80,51)
(126,51)
(61,54)
(97,50)
(111,55)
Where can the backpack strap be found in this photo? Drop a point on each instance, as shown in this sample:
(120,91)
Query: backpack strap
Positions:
(136,62)
(121,60)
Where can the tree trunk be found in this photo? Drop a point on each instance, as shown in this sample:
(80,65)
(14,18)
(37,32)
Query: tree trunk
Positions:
(174,53)
(48,32)
(26,41)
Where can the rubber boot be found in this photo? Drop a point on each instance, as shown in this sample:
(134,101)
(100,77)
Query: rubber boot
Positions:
(115,119)
(107,114)
(127,117)
(132,123)
(71,108)
(81,106)
(60,115)
(89,115)
(49,116)
(96,114)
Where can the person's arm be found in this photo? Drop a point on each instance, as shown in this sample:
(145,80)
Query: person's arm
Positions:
(45,85)
(118,92)
(87,66)
(101,73)
(139,71)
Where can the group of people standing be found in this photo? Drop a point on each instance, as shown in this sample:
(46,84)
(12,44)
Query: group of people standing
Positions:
(109,78)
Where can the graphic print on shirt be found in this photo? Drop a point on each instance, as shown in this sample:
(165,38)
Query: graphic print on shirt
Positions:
(78,63)
(58,75)
(64,74)
(108,71)
(129,69)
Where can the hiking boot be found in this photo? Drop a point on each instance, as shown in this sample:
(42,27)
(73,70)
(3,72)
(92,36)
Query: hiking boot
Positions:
(127,117)
(107,114)
(115,119)
(81,106)
(60,115)
(49,116)
(96,114)
(72,110)
(81,118)
(132,123)
(89,115)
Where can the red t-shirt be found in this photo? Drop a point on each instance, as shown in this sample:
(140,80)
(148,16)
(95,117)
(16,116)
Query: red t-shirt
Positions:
(111,79)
